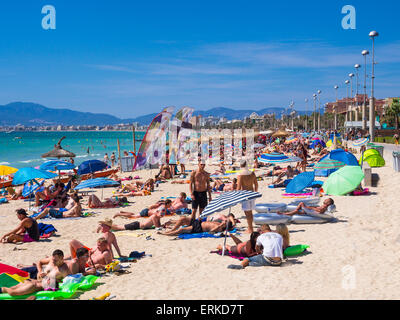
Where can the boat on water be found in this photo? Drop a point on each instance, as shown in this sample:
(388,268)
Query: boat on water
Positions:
(98,174)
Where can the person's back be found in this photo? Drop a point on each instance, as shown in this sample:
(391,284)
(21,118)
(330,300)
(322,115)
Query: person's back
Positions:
(247,182)
(272,243)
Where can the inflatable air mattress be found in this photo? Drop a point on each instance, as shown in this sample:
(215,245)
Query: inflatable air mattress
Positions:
(270,207)
(271,218)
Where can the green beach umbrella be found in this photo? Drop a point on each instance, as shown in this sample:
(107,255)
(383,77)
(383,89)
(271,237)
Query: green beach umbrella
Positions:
(373,158)
(343,181)
(329,164)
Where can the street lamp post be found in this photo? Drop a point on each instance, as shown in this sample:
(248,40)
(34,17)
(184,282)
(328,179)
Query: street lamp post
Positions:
(336,87)
(364,115)
(306,124)
(347,100)
(319,110)
(351,75)
(357,66)
(315,110)
(372,34)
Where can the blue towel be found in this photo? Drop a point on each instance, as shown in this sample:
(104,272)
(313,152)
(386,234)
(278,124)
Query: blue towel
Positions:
(183,211)
(202,235)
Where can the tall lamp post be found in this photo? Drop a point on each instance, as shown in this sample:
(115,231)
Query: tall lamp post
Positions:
(364,111)
(319,110)
(336,87)
(315,110)
(372,34)
(347,100)
(306,124)
(351,75)
(357,66)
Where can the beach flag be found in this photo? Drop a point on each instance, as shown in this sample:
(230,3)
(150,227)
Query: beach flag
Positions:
(176,139)
(152,148)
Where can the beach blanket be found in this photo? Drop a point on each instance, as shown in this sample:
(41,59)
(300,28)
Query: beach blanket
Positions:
(203,235)
(46,230)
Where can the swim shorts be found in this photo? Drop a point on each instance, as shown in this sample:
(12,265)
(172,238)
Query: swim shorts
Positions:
(133,226)
(196,226)
(144,212)
(27,238)
(200,200)
(249,205)
(55,213)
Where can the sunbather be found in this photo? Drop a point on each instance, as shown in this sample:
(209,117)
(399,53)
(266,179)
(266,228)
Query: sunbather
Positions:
(160,208)
(321,209)
(98,257)
(47,195)
(26,231)
(95,202)
(196,226)
(79,264)
(153,221)
(244,249)
(75,211)
(48,277)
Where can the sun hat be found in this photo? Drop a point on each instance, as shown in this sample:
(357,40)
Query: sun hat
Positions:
(107,222)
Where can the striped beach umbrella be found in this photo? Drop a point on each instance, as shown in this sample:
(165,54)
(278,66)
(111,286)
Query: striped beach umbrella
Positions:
(329,164)
(284,159)
(360,142)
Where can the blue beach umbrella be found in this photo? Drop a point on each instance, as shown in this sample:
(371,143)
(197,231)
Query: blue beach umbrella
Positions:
(91,166)
(284,159)
(300,182)
(54,165)
(28,174)
(31,187)
(97,182)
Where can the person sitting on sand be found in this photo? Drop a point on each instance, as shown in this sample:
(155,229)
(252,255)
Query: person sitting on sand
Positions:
(98,257)
(48,277)
(269,248)
(244,249)
(47,195)
(109,236)
(80,263)
(289,173)
(321,209)
(283,230)
(26,231)
(164,173)
(160,208)
(95,202)
(196,226)
(75,211)
(15,193)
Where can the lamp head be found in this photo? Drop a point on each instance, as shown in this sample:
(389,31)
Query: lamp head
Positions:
(351,75)
(373,34)
(347,82)
(365,52)
(357,66)
(336,87)
(319,91)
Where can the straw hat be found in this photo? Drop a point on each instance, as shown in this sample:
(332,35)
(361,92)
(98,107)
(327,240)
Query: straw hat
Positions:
(107,222)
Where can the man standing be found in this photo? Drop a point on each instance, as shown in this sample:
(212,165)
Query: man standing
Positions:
(106,158)
(247,181)
(199,187)
(112,159)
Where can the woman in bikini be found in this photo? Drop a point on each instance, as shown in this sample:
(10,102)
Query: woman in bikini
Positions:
(244,249)
(95,202)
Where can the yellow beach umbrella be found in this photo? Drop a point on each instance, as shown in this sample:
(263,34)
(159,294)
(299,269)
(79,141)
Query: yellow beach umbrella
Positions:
(5,170)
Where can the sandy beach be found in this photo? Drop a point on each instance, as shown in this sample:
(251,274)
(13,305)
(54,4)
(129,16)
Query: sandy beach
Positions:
(356,257)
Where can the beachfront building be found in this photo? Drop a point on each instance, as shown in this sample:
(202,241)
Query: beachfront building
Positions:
(351,108)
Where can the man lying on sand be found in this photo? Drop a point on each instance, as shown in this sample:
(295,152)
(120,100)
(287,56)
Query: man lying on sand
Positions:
(160,208)
(153,221)
(320,209)
(48,277)
(95,202)
(26,231)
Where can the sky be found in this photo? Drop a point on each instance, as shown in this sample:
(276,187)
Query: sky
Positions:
(131,58)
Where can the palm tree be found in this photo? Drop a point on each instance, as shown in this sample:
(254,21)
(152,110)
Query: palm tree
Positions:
(394,111)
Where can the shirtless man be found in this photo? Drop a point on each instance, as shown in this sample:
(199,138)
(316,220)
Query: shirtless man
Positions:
(321,209)
(154,220)
(199,187)
(247,181)
(74,211)
(196,226)
(179,203)
(105,228)
(98,257)
(80,263)
(160,208)
(48,277)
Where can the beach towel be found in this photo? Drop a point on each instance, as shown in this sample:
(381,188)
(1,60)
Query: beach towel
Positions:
(228,254)
(46,230)
(183,211)
(203,235)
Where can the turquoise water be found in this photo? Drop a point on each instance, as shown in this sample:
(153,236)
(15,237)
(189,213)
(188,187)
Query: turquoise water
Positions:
(27,151)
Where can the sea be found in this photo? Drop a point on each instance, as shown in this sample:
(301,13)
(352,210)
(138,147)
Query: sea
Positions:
(21,149)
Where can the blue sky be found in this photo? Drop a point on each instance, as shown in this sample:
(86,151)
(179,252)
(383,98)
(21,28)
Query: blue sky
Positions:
(130,58)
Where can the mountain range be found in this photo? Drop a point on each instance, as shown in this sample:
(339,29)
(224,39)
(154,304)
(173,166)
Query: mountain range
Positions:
(32,114)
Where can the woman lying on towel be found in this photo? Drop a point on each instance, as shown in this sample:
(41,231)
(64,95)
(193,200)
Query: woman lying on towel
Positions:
(243,249)
(95,202)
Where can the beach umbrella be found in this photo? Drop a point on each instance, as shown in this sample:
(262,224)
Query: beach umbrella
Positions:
(96,183)
(284,159)
(91,166)
(373,158)
(54,165)
(6,170)
(300,182)
(281,133)
(31,187)
(317,142)
(228,200)
(343,181)
(327,164)
(59,152)
(28,174)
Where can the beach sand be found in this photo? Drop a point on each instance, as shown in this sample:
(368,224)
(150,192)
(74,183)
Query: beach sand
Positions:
(355,258)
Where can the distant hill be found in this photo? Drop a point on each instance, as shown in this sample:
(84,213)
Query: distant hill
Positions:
(32,114)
